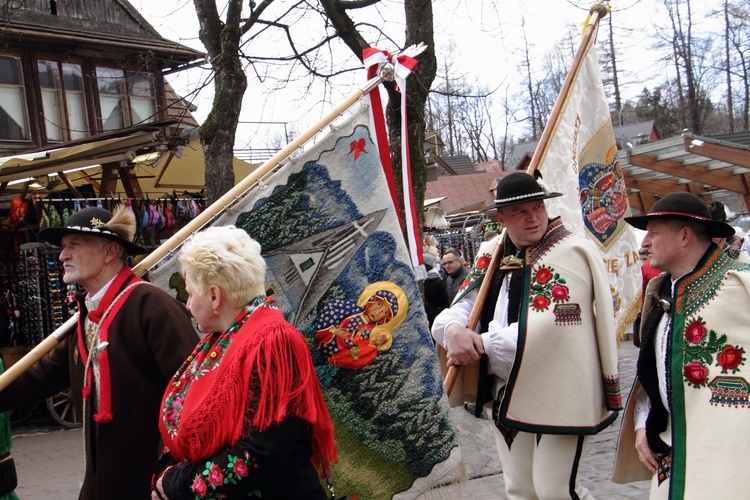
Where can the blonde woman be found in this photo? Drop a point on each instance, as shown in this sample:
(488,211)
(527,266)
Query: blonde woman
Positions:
(244,415)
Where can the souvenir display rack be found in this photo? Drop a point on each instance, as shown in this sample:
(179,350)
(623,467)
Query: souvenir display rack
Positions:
(44,300)
(466,241)
(156,219)
(41,297)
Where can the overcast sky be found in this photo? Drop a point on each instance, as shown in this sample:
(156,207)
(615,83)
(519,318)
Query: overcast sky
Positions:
(486,34)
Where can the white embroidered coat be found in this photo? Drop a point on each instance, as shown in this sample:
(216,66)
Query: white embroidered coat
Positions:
(564,378)
(709,380)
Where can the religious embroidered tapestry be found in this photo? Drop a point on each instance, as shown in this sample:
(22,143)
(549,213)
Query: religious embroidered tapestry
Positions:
(339,269)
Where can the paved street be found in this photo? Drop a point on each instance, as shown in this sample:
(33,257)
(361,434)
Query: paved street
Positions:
(50,461)
(483,466)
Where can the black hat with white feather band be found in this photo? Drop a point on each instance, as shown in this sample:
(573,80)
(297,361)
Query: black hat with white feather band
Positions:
(95,221)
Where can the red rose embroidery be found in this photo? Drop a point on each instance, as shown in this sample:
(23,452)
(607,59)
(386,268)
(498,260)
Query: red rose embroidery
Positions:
(559,292)
(483,262)
(730,357)
(540,303)
(695,373)
(695,332)
(543,275)
(199,486)
(240,468)
(215,476)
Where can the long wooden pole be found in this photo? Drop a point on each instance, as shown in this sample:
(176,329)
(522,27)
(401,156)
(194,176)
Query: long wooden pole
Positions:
(203,218)
(597,12)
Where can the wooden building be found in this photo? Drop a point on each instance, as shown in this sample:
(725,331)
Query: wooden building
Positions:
(77,73)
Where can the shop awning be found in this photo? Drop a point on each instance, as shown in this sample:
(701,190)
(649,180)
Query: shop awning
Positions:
(141,164)
(704,166)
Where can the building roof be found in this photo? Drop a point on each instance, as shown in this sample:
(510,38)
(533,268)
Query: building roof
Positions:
(714,169)
(464,192)
(489,166)
(734,137)
(110,29)
(520,152)
(635,133)
(163,160)
(456,165)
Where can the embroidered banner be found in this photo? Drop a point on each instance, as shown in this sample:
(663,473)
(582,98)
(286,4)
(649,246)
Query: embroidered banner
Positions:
(339,269)
(581,162)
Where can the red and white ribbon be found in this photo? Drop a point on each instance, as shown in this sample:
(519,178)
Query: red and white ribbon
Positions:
(403,65)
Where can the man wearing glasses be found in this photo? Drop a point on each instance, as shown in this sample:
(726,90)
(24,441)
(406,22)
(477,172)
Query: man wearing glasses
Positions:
(455,271)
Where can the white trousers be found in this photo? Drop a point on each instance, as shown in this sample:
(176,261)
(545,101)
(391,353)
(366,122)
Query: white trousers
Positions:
(546,469)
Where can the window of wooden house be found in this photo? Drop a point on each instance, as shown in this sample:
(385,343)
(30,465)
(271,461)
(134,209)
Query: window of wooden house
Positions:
(113,98)
(142,97)
(63,100)
(14,123)
(125,98)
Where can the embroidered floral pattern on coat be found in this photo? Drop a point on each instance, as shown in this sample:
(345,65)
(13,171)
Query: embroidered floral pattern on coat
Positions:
(547,287)
(213,475)
(705,348)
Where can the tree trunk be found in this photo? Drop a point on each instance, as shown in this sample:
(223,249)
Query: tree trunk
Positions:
(222,41)
(730,104)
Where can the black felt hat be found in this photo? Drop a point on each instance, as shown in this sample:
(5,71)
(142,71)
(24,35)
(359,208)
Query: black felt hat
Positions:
(94,222)
(683,206)
(520,187)
(717,211)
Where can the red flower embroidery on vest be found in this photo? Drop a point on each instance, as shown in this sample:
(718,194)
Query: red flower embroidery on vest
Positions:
(543,275)
(695,373)
(483,262)
(730,358)
(540,303)
(559,292)
(547,286)
(695,331)
(704,348)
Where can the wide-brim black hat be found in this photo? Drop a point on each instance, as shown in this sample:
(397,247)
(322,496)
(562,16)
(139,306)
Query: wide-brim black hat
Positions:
(92,221)
(520,187)
(683,206)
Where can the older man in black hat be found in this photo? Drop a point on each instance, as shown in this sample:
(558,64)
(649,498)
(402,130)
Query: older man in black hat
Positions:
(547,337)
(686,425)
(131,339)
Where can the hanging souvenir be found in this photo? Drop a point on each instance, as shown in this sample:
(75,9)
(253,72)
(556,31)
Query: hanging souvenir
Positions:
(168,216)
(54,216)
(43,219)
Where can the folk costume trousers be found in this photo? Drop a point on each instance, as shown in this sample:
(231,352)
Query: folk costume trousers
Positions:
(543,467)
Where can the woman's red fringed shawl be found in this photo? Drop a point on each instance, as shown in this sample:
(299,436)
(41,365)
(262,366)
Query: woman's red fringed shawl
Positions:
(268,355)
